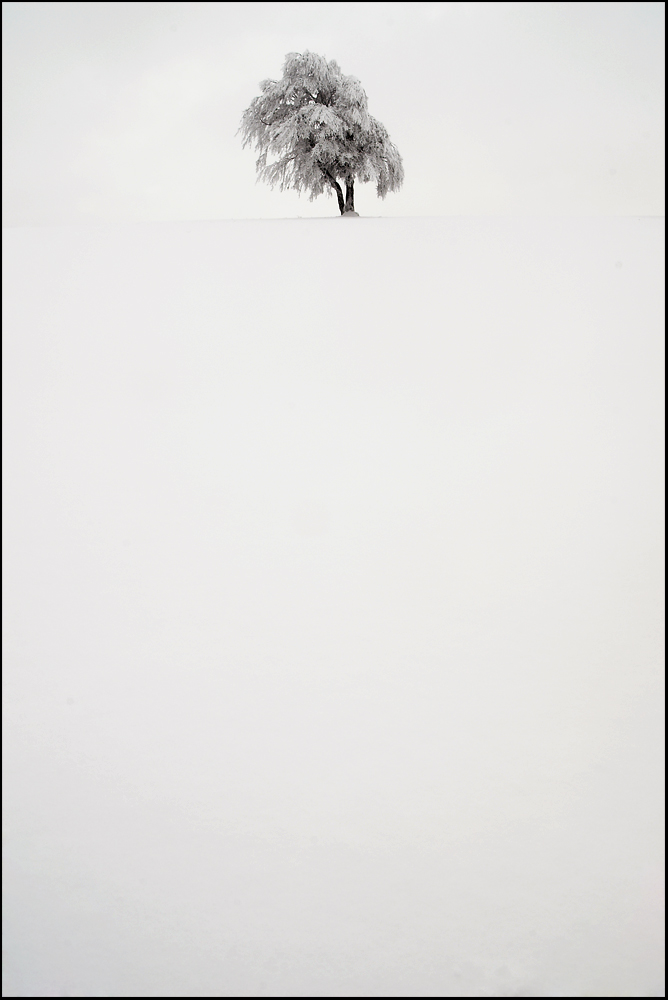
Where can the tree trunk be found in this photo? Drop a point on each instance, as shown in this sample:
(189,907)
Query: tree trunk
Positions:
(339,193)
(350,196)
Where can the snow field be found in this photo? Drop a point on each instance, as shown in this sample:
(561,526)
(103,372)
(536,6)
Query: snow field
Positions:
(333,608)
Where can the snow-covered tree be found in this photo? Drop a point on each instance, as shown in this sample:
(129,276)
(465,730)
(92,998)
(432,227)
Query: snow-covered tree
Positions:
(314,133)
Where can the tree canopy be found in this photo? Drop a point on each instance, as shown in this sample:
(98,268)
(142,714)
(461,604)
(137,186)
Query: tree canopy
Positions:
(313,131)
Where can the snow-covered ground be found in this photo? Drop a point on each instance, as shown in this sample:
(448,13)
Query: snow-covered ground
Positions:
(333,608)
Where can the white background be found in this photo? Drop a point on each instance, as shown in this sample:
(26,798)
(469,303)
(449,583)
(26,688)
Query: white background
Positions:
(333,609)
(333,549)
(123,111)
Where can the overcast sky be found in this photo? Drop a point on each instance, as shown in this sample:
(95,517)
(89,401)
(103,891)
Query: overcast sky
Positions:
(128,111)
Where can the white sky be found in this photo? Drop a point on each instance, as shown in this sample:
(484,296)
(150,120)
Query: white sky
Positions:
(128,111)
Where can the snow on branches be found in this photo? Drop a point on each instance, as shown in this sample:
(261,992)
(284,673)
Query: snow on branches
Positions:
(313,133)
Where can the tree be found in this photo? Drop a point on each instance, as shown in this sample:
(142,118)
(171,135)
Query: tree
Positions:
(315,121)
